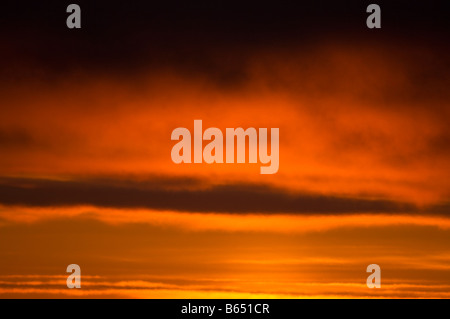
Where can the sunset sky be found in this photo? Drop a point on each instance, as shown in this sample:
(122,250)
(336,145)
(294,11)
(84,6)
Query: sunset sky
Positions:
(86,175)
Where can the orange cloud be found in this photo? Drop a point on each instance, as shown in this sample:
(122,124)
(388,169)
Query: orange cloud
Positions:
(348,126)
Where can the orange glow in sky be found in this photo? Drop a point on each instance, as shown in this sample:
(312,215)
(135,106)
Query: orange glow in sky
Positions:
(86,177)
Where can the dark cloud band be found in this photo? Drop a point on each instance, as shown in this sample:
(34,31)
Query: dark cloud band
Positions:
(161,194)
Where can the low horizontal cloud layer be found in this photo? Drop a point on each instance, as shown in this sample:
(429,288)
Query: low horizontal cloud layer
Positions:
(160,195)
(136,260)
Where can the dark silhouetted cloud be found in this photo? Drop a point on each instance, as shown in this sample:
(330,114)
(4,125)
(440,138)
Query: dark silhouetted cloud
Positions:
(161,194)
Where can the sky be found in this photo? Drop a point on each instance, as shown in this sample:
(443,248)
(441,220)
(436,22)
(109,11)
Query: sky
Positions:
(86,175)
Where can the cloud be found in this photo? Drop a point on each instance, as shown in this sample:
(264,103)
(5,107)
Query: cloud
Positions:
(15,139)
(354,118)
(158,195)
(194,38)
